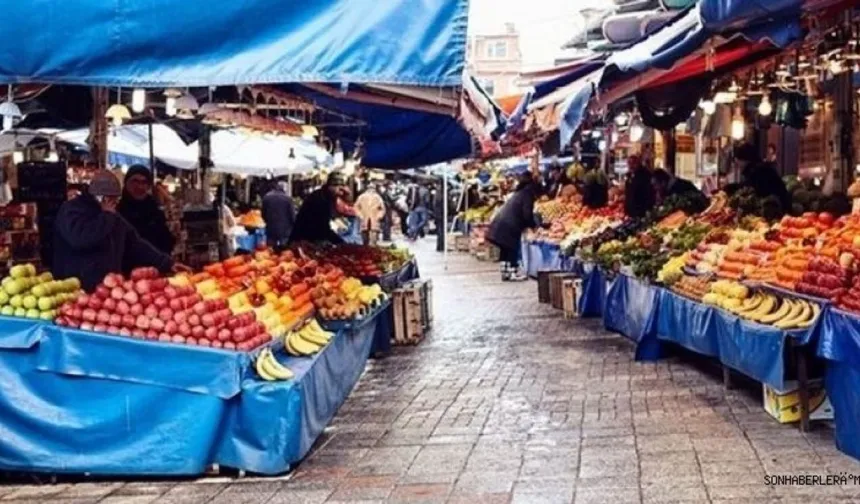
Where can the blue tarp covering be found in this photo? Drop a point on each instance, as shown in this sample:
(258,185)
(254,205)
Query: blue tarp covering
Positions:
(687,323)
(594,287)
(631,310)
(839,342)
(74,402)
(167,43)
(539,256)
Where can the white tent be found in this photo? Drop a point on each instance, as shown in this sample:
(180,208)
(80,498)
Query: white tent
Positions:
(131,143)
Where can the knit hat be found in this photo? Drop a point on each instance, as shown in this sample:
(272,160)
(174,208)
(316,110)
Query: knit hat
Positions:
(336,179)
(105,183)
(138,170)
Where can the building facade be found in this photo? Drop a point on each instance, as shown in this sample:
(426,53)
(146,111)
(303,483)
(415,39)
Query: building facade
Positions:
(496,61)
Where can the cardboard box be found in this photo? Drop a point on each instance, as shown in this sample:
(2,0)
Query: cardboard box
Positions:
(784,405)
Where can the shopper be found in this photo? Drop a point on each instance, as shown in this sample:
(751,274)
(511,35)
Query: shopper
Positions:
(313,223)
(638,192)
(417,199)
(385,191)
(667,185)
(370,208)
(139,208)
(510,222)
(91,239)
(557,180)
(279,213)
(761,176)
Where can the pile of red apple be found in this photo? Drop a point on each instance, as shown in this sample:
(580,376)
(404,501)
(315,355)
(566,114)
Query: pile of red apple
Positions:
(146,306)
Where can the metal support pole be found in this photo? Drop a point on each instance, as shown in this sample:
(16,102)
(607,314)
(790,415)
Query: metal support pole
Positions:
(152,154)
(444,227)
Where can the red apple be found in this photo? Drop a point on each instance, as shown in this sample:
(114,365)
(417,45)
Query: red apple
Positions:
(197,331)
(171,327)
(229,345)
(165,337)
(61,321)
(178,339)
(194,319)
(99,327)
(204,342)
(171,292)
(188,290)
(165,314)
(158,284)
(244,346)
(146,299)
(74,324)
(124,332)
(233,323)
(200,308)
(112,280)
(151,335)
(156,324)
(128,320)
(161,302)
(122,307)
(221,317)
(131,297)
(261,328)
(117,293)
(112,329)
(103,317)
(150,311)
(185,329)
(138,333)
(83,300)
(86,326)
(96,303)
(89,315)
(217,344)
(128,285)
(176,304)
(102,292)
(109,304)
(142,286)
(240,334)
(224,335)
(211,332)
(142,322)
(180,317)
(136,309)
(115,319)
(207,320)
(191,341)
(194,298)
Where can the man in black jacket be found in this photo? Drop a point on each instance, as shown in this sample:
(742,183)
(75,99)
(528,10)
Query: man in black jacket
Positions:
(508,225)
(638,192)
(140,209)
(279,214)
(313,223)
(761,176)
(92,240)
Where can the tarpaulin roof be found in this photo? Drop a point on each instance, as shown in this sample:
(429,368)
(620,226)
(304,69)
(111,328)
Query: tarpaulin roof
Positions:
(161,43)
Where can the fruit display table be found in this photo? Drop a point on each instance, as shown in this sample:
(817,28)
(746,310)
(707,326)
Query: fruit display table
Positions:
(80,402)
(839,343)
(631,310)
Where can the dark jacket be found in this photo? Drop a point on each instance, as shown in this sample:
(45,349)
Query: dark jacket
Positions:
(89,243)
(683,187)
(514,217)
(279,214)
(638,194)
(313,223)
(764,179)
(148,220)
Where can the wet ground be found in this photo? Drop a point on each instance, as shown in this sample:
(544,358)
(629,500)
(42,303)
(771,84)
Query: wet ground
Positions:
(508,402)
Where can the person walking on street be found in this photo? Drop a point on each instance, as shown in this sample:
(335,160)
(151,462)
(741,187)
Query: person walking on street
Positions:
(510,222)
(279,214)
(417,200)
(370,208)
(91,239)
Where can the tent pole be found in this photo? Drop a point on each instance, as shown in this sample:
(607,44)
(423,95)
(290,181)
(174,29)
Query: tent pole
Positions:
(152,154)
(444,227)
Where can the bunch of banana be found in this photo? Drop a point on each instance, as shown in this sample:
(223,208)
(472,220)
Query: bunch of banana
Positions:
(308,340)
(268,367)
(766,308)
(350,285)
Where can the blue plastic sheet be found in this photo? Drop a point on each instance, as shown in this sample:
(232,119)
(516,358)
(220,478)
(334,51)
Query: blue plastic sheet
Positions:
(839,342)
(539,256)
(162,43)
(594,287)
(631,310)
(687,323)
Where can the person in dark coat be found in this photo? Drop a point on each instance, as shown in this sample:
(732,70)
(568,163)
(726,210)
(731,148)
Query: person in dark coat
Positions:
(313,223)
(279,214)
(91,239)
(507,227)
(667,185)
(761,176)
(140,209)
(638,191)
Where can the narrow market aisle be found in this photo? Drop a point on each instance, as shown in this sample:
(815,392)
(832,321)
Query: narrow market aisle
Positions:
(508,402)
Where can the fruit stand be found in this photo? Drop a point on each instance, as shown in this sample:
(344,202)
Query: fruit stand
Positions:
(242,365)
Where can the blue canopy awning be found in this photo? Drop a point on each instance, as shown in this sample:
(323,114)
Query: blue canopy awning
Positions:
(160,43)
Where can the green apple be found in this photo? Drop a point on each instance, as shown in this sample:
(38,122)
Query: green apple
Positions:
(17,301)
(40,290)
(47,315)
(73,283)
(46,303)
(34,313)
(7,310)
(4,298)
(14,287)
(18,271)
(46,277)
(20,312)
(30,302)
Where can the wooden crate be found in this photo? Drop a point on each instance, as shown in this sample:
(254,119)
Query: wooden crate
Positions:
(413,311)
(555,280)
(543,285)
(461,243)
(571,290)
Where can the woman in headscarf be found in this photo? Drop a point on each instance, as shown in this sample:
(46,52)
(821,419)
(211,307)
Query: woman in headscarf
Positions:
(141,210)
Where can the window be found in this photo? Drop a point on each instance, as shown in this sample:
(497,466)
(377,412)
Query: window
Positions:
(497,49)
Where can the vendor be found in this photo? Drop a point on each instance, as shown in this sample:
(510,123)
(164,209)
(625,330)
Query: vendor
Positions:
(666,185)
(510,222)
(638,191)
(91,239)
(557,180)
(313,223)
(761,176)
(140,209)
(279,214)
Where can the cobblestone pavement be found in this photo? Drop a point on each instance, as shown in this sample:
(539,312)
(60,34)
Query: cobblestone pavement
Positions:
(508,402)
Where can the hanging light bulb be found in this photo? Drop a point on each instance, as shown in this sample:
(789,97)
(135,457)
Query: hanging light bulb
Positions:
(138,100)
(601,145)
(186,105)
(738,127)
(765,108)
(18,157)
(117,113)
(170,96)
(9,110)
(338,155)
(170,183)
(622,119)
(292,162)
(708,107)
(52,157)
(637,129)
